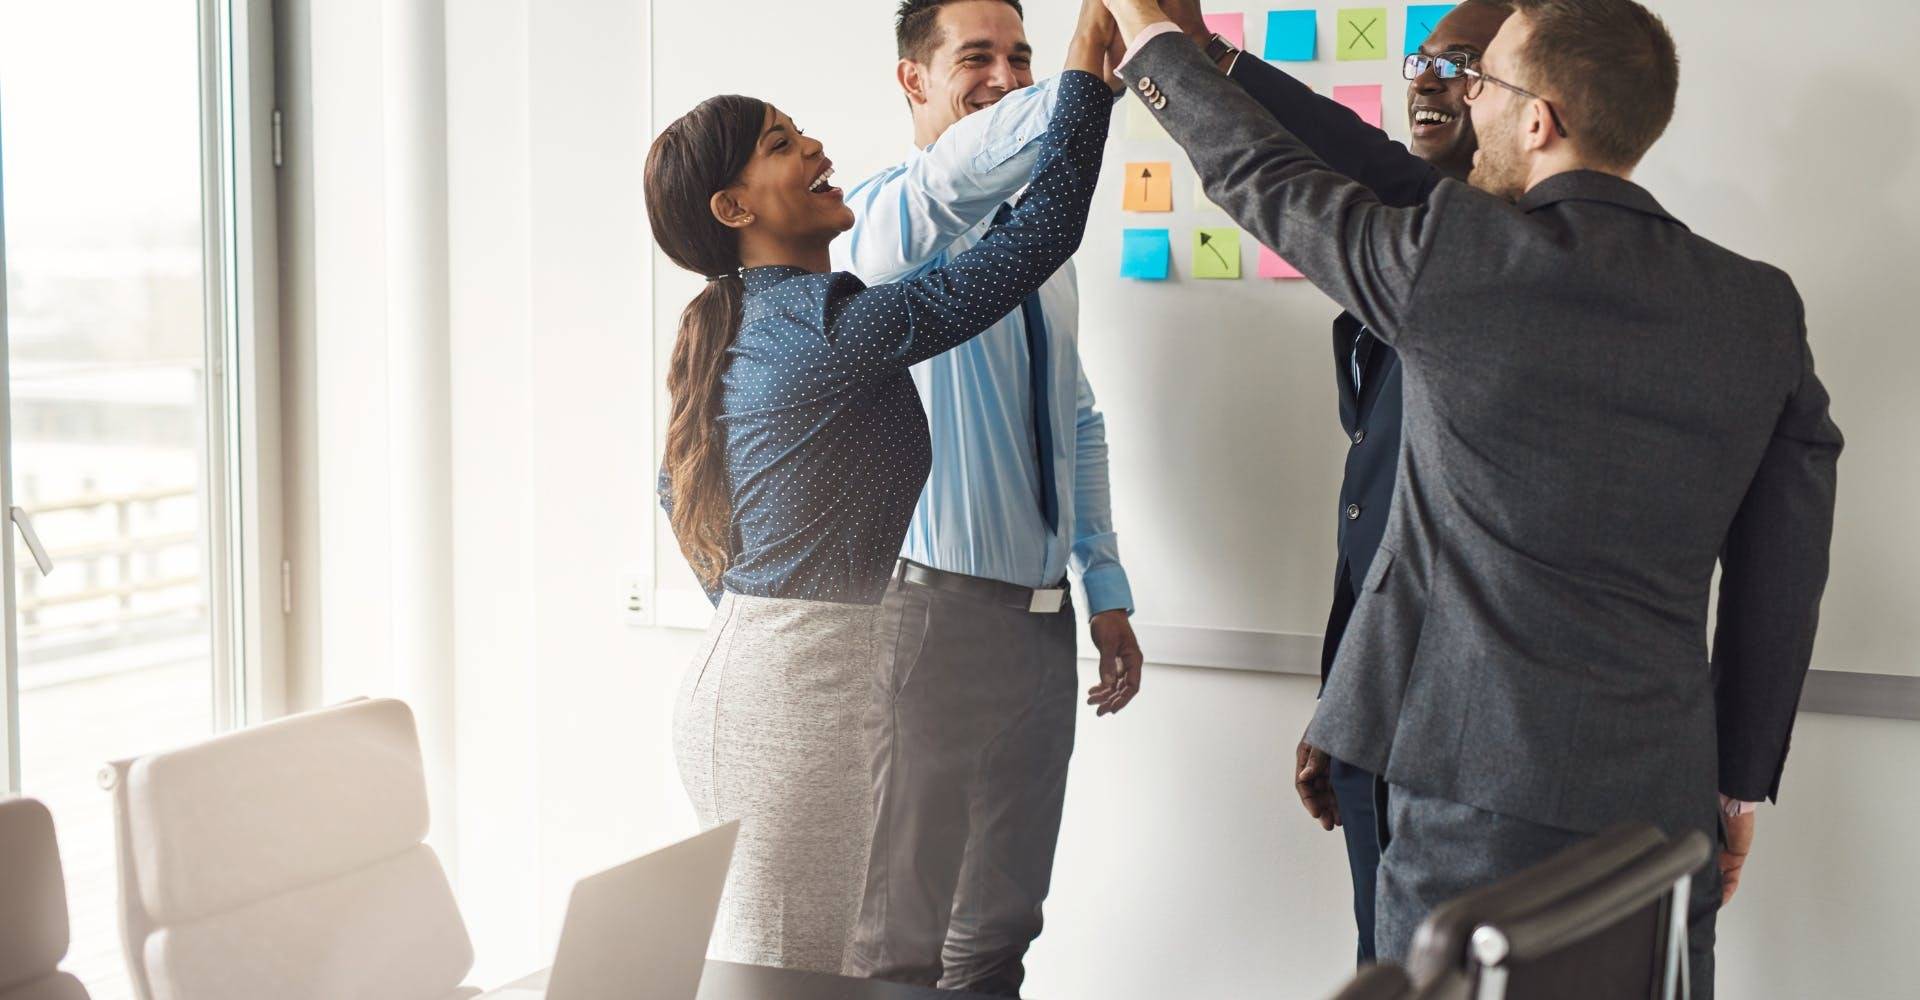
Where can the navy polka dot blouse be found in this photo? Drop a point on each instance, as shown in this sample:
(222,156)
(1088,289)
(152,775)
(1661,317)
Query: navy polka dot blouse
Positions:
(827,446)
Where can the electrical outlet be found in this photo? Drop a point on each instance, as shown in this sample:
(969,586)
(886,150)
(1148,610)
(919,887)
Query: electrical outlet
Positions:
(636,598)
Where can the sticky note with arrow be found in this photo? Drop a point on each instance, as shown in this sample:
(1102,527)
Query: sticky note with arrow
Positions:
(1216,253)
(1149,187)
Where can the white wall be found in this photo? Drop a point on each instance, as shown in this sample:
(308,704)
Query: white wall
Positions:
(1185,869)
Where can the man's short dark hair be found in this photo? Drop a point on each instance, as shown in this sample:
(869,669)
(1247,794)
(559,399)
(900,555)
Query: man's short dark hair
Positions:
(1612,69)
(916,26)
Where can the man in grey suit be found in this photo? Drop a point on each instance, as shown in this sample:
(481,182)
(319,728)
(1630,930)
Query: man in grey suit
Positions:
(1600,406)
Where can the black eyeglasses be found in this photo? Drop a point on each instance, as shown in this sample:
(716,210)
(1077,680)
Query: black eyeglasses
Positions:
(1445,66)
(1477,85)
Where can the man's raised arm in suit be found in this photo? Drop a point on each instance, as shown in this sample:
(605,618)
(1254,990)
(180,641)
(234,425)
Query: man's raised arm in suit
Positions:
(1363,253)
(1329,128)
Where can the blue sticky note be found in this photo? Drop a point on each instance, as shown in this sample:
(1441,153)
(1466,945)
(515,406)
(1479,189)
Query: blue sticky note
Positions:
(1422,18)
(1292,35)
(1145,254)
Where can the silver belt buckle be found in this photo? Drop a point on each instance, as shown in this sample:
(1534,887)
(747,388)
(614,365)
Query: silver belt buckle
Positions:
(1047,602)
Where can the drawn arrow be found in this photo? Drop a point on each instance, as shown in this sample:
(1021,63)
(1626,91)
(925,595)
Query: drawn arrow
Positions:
(1146,179)
(1206,243)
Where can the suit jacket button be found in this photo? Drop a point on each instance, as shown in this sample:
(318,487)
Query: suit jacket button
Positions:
(1353,512)
(1159,103)
(1359,435)
(1145,84)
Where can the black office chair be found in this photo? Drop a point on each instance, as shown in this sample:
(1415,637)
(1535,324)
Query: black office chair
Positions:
(1604,920)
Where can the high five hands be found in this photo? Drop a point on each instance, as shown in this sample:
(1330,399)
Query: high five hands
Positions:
(1134,15)
(1097,46)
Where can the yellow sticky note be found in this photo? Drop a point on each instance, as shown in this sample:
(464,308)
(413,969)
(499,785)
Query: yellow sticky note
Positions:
(1141,124)
(1149,187)
(1202,203)
(1216,252)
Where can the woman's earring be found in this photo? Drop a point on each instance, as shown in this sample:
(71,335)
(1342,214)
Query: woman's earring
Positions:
(746,220)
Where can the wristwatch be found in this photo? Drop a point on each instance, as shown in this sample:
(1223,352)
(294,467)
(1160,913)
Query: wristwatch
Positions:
(1222,52)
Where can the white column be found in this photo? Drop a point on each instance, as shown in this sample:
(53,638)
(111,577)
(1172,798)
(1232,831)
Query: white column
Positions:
(492,348)
(381,360)
(418,396)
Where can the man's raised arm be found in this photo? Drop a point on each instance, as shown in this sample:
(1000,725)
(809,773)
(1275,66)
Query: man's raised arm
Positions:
(906,215)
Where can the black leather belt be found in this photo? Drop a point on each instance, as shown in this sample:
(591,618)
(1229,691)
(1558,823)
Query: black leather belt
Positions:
(1047,600)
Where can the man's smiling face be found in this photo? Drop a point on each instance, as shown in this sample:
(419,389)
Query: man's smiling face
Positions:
(1437,109)
(983,56)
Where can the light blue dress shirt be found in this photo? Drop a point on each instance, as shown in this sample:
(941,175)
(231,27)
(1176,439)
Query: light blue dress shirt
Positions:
(980,511)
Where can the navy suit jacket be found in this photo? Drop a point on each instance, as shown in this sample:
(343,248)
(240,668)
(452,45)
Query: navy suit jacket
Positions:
(1371,416)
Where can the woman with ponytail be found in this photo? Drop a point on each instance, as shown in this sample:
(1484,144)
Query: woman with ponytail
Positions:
(796,450)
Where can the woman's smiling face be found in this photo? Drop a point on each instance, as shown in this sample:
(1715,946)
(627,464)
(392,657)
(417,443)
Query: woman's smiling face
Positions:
(787,190)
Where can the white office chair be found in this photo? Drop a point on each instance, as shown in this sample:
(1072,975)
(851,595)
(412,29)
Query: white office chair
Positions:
(33,907)
(286,861)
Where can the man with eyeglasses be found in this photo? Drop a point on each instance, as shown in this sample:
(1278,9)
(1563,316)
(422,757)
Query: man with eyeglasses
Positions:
(1366,372)
(1601,408)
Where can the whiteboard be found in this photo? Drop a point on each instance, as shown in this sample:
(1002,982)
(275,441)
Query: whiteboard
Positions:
(1793,143)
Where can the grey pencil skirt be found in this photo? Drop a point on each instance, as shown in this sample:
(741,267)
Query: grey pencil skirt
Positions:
(767,731)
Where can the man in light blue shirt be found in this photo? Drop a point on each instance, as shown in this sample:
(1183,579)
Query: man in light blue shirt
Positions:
(972,723)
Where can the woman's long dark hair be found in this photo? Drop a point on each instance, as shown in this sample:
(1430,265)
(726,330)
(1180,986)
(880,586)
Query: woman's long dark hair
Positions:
(700,154)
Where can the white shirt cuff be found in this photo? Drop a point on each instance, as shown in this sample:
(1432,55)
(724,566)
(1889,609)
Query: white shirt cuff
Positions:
(1148,34)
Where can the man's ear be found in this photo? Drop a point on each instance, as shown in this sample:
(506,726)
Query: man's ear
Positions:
(727,208)
(913,80)
(1539,125)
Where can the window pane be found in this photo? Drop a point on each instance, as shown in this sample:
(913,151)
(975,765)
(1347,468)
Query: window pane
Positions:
(100,132)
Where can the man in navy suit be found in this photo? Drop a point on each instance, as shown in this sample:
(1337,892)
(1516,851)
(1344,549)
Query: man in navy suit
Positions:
(1368,372)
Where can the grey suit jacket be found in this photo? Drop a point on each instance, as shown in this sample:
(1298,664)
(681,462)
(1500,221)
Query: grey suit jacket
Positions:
(1600,407)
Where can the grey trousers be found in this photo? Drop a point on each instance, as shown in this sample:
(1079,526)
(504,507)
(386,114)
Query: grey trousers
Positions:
(969,729)
(1441,849)
(766,730)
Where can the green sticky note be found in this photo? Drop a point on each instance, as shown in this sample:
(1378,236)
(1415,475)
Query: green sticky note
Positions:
(1216,252)
(1362,34)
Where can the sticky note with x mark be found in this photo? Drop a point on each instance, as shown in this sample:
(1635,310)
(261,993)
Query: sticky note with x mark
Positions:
(1362,34)
(1149,188)
(1216,252)
(1422,18)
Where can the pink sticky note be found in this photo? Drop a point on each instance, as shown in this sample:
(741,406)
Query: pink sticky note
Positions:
(1232,27)
(1364,101)
(1272,266)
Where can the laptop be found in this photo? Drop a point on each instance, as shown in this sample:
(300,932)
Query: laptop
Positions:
(640,929)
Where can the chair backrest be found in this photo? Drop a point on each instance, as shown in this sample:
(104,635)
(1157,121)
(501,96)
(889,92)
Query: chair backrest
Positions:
(287,861)
(1378,982)
(33,907)
(1604,919)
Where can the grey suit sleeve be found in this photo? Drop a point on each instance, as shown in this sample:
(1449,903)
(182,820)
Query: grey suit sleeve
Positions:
(1365,254)
(1773,571)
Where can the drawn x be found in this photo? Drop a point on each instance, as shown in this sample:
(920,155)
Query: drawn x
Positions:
(1360,33)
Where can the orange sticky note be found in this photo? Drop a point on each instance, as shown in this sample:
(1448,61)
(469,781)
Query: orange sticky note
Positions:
(1364,101)
(1149,187)
(1273,266)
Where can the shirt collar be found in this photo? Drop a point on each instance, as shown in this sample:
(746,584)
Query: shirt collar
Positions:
(1592,185)
(763,279)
